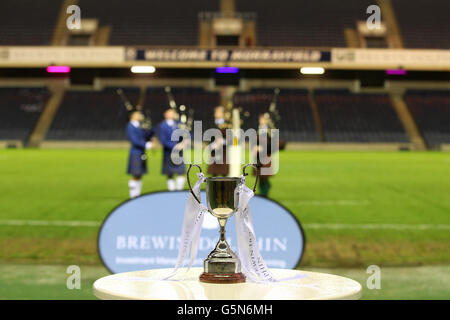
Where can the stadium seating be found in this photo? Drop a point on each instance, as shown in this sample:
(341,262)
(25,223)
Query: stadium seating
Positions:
(296,118)
(431,111)
(19,110)
(423,23)
(101,115)
(283,23)
(304,22)
(137,22)
(345,117)
(348,117)
(28,22)
(92,115)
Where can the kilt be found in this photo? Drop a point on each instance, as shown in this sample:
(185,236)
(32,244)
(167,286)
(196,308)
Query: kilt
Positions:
(222,167)
(168,167)
(137,164)
(260,165)
(219,169)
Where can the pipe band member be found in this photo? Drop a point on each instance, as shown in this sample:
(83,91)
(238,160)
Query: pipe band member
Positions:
(137,160)
(174,172)
(263,154)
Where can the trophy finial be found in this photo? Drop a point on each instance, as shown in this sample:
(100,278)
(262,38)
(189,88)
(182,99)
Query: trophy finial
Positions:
(246,174)
(189,181)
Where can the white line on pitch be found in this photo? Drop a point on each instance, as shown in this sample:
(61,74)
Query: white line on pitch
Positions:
(338,226)
(329,202)
(55,223)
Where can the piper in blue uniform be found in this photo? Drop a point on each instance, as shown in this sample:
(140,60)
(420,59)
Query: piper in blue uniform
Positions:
(263,154)
(137,161)
(175,172)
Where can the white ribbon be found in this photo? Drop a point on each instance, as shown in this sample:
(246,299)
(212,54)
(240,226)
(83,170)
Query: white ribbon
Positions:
(253,265)
(192,226)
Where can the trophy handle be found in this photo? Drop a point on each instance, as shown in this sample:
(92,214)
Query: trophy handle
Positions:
(246,174)
(189,181)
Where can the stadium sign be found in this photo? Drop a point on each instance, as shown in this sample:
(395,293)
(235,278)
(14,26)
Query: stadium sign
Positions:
(228,55)
(387,58)
(62,55)
(144,233)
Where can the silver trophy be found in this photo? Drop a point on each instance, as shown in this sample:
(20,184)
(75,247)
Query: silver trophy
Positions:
(222,197)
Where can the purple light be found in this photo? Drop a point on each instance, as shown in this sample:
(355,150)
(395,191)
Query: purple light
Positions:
(396,72)
(227,70)
(58,69)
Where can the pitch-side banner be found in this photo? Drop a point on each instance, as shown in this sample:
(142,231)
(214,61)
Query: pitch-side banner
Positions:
(435,59)
(228,55)
(144,233)
(62,55)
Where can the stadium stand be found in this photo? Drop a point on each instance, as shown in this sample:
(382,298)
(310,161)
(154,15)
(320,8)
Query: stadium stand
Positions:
(431,111)
(198,100)
(22,22)
(172,22)
(296,118)
(19,110)
(348,117)
(169,22)
(423,23)
(345,117)
(92,115)
(296,23)
(101,115)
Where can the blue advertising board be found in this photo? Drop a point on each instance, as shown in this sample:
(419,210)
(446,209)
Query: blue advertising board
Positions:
(143,233)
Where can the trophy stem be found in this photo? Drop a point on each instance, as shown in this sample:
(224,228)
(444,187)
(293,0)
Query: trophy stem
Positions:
(222,264)
(222,223)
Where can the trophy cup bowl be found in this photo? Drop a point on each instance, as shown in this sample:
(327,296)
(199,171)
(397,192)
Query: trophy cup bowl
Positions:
(222,196)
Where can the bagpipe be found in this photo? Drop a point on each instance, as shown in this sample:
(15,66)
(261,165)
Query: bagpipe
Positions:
(184,116)
(273,114)
(146,123)
(228,115)
(273,117)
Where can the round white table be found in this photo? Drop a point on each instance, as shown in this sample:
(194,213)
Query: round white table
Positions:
(186,286)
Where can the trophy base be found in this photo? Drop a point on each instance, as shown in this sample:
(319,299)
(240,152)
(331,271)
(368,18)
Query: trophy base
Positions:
(222,278)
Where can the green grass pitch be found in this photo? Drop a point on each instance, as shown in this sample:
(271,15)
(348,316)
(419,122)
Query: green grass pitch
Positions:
(357,208)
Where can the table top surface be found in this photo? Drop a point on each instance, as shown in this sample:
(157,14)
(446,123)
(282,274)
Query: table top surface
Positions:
(186,286)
